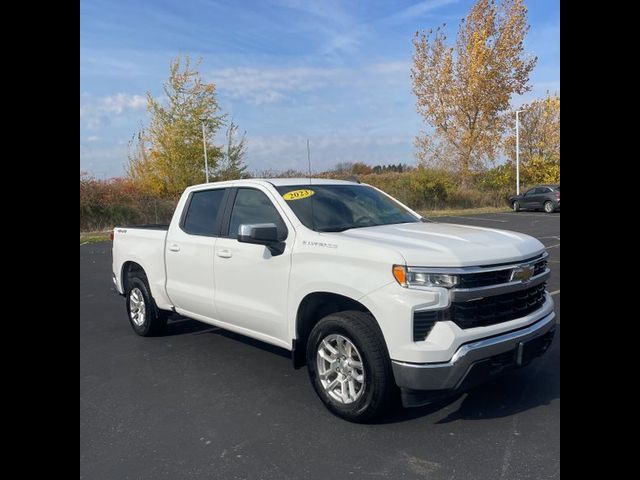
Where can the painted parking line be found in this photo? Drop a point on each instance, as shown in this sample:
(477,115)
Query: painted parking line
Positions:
(540,215)
(555,292)
(553,246)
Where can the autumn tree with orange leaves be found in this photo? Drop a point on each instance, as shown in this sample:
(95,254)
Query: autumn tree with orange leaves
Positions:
(463,92)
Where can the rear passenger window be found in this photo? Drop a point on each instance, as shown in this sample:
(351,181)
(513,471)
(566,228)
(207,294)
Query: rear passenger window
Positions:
(253,206)
(202,212)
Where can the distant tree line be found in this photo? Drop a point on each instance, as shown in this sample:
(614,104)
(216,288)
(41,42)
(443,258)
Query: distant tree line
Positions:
(361,168)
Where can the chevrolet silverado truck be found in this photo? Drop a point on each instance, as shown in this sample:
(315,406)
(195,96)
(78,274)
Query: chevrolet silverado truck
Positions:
(377,301)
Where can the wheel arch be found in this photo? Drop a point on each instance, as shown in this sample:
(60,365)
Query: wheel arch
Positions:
(128,268)
(313,308)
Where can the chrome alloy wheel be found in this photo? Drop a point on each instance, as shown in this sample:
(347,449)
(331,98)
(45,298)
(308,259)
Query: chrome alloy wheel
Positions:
(137,308)
(340,369)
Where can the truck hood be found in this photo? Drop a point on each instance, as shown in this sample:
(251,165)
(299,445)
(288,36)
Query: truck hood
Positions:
(450,245)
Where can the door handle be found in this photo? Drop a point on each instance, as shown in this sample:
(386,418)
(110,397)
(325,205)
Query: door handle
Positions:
(224,253)
(174,247)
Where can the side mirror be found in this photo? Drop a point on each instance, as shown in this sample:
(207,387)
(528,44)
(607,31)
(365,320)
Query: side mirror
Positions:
(262,234)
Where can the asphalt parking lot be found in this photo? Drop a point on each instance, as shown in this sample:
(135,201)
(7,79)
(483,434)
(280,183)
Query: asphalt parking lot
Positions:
(200,402)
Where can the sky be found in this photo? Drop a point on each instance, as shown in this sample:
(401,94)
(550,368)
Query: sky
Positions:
(336,72)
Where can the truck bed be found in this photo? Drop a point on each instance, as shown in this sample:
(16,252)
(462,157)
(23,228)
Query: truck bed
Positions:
(143,245)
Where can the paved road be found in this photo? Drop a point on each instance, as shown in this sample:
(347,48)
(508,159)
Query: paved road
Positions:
(204,403)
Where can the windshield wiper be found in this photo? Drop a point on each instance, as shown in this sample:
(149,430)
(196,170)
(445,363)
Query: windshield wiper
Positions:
(349,227)
(335,229)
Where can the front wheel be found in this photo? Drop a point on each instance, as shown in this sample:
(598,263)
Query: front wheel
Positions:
(516,206)
(349,366)
(548,207)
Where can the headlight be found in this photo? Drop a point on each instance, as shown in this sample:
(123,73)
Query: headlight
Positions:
(415,277)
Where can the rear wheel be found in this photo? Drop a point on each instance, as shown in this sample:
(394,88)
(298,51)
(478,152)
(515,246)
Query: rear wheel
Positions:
(349,366)
(516,206)
(548,207)
(145,318)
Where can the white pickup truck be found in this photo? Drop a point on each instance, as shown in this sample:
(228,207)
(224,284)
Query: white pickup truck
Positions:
(367,293)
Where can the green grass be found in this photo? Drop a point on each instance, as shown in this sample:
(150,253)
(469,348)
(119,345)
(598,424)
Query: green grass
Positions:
(457,212)
(94,237)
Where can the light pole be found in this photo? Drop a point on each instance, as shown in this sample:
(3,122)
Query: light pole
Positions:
(204,145)
(517,154)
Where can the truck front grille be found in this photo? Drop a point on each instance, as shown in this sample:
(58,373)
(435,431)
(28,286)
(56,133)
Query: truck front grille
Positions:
(495,277)
(476,301)
(483,279)
(539,267)
(497,309)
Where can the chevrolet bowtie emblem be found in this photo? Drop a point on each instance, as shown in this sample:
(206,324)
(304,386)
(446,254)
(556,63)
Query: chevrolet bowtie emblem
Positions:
(522,274)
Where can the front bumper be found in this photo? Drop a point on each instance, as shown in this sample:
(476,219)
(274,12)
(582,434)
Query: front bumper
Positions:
(473,363)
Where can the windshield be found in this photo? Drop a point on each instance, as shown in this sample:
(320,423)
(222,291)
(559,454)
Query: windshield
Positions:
(335,208)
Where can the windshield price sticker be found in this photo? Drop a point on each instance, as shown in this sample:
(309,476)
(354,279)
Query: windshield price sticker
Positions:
(298,194)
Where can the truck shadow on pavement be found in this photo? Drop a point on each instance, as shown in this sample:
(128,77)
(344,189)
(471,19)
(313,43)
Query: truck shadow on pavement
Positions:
(184,326)
(517,391)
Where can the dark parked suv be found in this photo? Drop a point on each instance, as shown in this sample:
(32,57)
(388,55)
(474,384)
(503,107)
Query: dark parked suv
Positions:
(545,197)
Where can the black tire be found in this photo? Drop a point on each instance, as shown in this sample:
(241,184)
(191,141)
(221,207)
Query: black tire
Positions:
(516,206)
(155,319)
(549,207)
(379,389)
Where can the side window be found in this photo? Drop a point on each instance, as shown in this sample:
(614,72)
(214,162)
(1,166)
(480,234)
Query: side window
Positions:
(530,192)
(253,206)
(203,210)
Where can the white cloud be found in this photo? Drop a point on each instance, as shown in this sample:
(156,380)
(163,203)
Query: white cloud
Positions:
(270,85)
(281,152)
(259,86)
(96,112)
(121,101)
